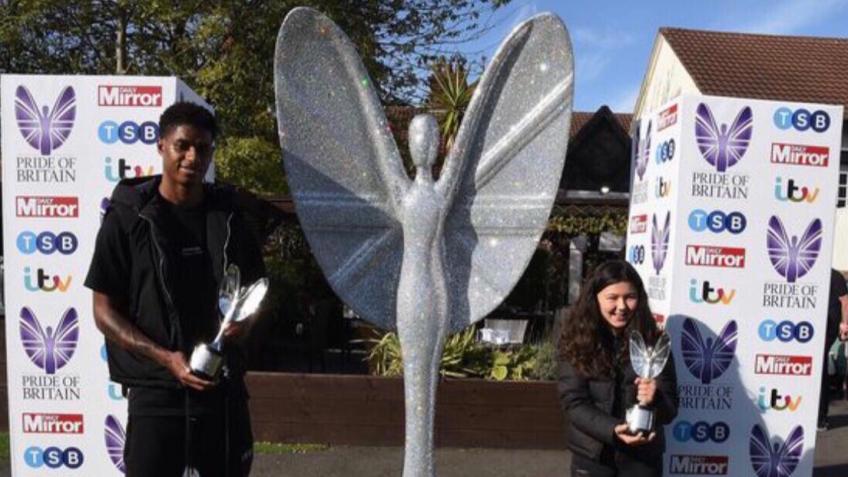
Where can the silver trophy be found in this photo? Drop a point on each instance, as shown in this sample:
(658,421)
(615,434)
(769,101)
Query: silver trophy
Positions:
(648,362)
(235,305)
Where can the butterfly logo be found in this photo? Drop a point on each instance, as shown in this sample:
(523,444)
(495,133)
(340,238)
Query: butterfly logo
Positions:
(659,242)
(643,152)
(792,257)
(720,146)
(45,129)
(707,359)
(115,438)
(775,460)
(50,350)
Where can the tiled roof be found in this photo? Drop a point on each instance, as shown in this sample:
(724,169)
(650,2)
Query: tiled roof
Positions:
(580,118)
(790,68)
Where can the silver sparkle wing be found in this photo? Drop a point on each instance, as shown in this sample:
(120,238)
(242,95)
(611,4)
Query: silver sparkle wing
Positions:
(506,165)
(343,166)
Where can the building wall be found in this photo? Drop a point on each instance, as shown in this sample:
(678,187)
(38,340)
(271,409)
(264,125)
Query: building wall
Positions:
(665,79)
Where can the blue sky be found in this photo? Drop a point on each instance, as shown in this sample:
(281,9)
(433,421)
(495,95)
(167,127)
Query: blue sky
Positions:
(612,39)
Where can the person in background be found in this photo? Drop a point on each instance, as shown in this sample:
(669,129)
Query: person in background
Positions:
(837,325)
(597,384)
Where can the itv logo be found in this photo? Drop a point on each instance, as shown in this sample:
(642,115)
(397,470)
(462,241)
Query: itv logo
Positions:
(706,293)
(42,281)
(115,171)
(794,193)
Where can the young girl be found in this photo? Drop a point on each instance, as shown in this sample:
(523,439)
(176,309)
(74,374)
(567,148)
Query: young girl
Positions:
(597,384)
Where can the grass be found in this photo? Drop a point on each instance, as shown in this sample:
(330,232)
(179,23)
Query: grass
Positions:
(279,448)
(258,447)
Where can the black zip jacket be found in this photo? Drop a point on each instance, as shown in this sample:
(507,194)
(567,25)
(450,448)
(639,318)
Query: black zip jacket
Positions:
(138,208)
(589,402)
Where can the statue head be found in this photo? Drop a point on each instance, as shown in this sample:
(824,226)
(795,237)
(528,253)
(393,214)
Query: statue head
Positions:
(424,141)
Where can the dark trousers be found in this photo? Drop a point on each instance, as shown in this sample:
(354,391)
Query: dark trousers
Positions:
(156,445)
(613,464)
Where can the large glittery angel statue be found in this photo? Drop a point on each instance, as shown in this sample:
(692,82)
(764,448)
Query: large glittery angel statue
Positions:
(426,256)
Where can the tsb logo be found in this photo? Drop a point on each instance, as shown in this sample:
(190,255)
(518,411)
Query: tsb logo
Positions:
(717,221)
(707,294)
(124,170)
(636,254)
(45,282)
(794,193)
(665,151)
(701,431)
(128,132)
(53,457)
(801,119)
(774,400)
(46,242)
(786,331)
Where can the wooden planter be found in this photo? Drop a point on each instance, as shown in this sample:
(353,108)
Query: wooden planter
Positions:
(368,410)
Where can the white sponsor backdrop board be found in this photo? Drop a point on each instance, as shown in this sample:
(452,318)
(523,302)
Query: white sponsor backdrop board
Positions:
(66,142)
(731,228)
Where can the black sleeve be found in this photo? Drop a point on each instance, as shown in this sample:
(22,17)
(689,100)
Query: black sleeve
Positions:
(110,265)
(582,411)
(666,399)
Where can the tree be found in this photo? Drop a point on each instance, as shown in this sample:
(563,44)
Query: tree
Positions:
(224,51)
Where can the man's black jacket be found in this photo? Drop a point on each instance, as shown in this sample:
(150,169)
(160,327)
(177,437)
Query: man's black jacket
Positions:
(588,401)
(139,209)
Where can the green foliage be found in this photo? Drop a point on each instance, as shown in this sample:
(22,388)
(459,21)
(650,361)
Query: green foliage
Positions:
(252,163)
(464,357)
(573,225)
(449,96)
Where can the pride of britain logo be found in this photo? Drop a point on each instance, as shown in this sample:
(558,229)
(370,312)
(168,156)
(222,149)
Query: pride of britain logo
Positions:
(45,129)
(775,459)
(115,437)
(47,348)
(707,359)
(721,146)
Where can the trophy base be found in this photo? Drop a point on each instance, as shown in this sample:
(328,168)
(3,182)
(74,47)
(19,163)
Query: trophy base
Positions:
(639,419)
(206,362)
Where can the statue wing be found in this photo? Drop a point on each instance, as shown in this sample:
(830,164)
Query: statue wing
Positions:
(505,167)
(341,161)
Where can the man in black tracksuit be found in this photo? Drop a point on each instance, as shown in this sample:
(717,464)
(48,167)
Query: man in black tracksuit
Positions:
(158,261)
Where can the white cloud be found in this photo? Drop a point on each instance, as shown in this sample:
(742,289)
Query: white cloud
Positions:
(607,39)
(792,16)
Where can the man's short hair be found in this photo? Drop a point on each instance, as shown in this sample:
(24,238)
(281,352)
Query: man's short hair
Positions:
(184,113)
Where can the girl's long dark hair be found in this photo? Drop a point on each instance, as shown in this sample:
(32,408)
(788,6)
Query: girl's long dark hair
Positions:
(586,340)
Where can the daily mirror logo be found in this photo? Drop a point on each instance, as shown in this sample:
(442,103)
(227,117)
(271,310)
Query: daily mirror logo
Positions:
(782,364)
(799,155)
(129,96)
(51,423)
(698,464)
(46,206)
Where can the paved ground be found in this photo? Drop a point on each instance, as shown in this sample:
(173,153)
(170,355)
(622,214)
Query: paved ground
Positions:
(831,459)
